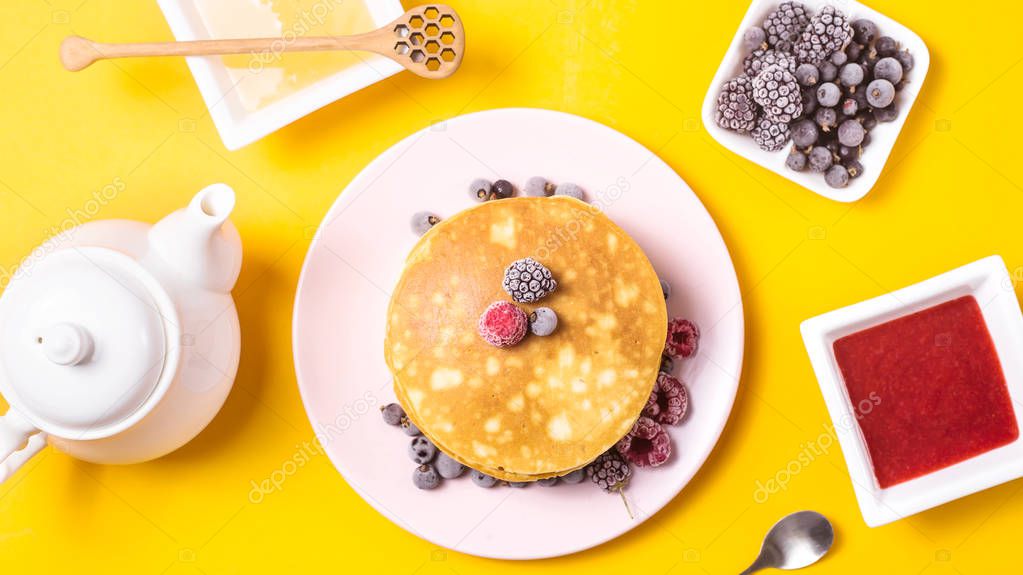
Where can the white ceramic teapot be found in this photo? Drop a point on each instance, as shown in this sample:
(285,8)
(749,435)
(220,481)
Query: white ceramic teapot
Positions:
(121,342)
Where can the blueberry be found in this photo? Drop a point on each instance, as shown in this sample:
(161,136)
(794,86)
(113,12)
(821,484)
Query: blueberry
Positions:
(447,467)
(807,74)
(851,74)
(667,364)
(828,94)
(854,167)
(547,482)
(392,413)
(665,289)
(543,321)
(850,133)
(570,190)
(518,484)
(482,479)
(408,427)
(888,69)
(820,159)
(538,187)
(421,450)
(480,189)
(829,71)
(853,51)
(796,160)
(839,58)
(577,476)
(880,93)
(809,102)
(423,221)
(888,114)
(866,140)
(864,31)
(850,107)
(846,153)
(837,177)
(826,118)
(804,133)
(906,59)
(425,477)
(754,38)
(886,46)
(867,119)
(502,189)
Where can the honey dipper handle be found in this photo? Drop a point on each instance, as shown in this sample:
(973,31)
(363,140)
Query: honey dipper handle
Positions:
(77,53)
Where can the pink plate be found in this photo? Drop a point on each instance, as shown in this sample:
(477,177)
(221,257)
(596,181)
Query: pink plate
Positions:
(358,255)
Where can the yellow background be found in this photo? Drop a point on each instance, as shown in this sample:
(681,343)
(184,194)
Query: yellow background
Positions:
(951,193)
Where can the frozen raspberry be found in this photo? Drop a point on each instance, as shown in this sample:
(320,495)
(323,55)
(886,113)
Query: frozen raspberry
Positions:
(683,338)
(668,402)
(610,471)
(647,445)
(503,324)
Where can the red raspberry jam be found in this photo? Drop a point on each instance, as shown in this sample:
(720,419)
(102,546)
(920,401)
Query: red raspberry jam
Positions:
(927,389)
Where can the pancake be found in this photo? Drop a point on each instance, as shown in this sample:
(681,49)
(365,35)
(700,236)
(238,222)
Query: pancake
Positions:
(548,405)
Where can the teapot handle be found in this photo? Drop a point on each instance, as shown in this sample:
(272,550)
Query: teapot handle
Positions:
(19,441)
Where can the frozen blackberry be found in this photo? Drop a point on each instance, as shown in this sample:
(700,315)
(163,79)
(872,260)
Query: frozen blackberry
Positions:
(503,324)
(851,75)
(888,114)
(574,477)
(610,471)
(839,58)
(796,160)
(447,467)
(423,221)
(528,280)
(828,32)
(804,133)
(421,450)
(502,189)
(784,25)
(828,94)
(571,190)
(482,479)
(820,159)
(754,39)
(906,59)
(760,60)
(647,445)
(777,92)
(829,71)
(770,134)
(547,481)
(408,427)
(683,338)
(736,110)
(880,93)
(886,46)
(538,187)
(425,477)
(888,68)
(864,31)
(837,177)
(827,119)
(850,107)
(668,402)
(479,189)
(392,413)
(854,167)
(807,75)
(543,321)
(850,133)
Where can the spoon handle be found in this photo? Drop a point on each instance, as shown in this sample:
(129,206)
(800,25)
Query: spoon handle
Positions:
(757,565)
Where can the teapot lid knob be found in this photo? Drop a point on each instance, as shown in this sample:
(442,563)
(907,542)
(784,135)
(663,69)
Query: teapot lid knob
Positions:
(66,344)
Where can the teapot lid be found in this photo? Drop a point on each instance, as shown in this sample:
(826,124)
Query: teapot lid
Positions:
(88,342)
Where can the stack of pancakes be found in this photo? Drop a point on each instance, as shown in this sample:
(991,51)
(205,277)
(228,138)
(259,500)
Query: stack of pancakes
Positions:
(549,405)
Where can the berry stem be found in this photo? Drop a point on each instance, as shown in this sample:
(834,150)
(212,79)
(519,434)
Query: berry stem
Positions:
(625,500)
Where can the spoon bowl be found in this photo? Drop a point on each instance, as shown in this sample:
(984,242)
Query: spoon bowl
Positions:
(796,541)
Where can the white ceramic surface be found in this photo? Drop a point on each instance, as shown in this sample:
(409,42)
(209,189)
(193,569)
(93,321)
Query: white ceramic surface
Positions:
(238,126)
(989,282)
(357,257)
(883,136)
(169,283)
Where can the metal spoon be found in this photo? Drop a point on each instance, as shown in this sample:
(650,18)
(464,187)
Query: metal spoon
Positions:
(797,541)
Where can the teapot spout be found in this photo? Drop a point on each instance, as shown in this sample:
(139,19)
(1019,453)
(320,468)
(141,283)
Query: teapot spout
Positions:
(199,243)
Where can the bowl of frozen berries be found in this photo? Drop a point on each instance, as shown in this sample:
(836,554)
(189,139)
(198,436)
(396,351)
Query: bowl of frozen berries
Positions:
(817,92)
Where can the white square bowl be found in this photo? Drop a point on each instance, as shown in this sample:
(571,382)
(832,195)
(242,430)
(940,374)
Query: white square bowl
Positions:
(882,137)
(238,126)
(989,282)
